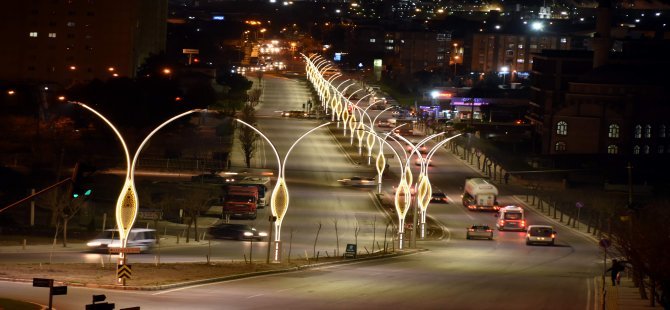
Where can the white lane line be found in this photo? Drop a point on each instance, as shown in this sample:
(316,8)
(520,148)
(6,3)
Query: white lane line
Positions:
(588,294)
(252,296)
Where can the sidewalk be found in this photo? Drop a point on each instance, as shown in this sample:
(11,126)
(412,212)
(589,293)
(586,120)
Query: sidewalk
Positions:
(624,297)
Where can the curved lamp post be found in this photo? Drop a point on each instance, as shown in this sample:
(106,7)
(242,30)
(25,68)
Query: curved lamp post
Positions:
(279,200)
(127,204)
(402,194)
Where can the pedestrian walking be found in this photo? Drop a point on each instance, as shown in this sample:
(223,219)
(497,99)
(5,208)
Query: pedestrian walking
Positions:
(615,269)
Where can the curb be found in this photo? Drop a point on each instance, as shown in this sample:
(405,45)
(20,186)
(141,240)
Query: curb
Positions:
(224,278)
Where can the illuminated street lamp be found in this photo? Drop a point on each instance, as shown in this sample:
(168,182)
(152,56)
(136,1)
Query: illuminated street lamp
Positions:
(127,204)
(504,70)
(279,200)
(402,197)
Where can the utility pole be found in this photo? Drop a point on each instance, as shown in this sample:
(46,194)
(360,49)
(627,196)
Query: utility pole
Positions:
(630,184)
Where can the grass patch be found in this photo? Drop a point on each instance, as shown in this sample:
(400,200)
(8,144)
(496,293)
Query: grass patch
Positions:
(17,305)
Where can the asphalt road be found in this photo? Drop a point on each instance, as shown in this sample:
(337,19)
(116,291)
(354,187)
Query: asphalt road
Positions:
(454,273)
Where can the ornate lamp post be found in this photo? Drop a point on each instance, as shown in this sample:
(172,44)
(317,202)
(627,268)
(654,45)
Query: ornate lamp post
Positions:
(127,204)
(279,200)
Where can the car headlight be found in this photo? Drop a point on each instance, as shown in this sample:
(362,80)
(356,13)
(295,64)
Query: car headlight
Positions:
(115,245)
(94,243)
(248,234)
(263,234)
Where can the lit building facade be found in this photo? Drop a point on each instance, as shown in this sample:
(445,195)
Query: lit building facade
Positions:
(489,52)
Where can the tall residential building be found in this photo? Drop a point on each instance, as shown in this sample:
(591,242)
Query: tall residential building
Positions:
(67,41)
(491,51)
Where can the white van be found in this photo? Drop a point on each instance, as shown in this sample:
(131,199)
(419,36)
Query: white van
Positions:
(511,218)
(142,238)
(540,234)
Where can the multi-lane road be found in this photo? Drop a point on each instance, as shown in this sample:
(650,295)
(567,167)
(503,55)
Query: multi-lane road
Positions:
(454,273)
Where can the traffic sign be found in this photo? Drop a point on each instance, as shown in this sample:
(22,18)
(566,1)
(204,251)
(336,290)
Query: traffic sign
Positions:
(123,272)
(190,51)
(59,290)
(124,250)
(351,250)
(605,243)
(150,214)
(41,282)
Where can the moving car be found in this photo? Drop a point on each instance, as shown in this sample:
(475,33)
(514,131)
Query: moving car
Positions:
(209,178)
(543,234)
(358,181)
(439,197)
(479,231)
(418,161)
(294,114)
(236,231)
(142,238)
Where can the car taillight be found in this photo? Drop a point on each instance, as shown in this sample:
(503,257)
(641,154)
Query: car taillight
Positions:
(502,223)
(471,206)
(523,223)
(470,229)
(553,235)
(489,230)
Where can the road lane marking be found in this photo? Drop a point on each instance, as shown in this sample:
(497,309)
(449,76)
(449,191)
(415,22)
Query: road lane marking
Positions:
(252,296)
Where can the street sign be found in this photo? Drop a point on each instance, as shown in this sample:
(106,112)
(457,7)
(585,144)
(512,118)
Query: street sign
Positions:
(41,282)
(123,272)
(124,250)
(149,214)
(59,290)
(350,251)
(190,51)
(605,243)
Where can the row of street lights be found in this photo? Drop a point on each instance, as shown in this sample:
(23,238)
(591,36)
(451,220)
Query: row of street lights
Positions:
(334,99)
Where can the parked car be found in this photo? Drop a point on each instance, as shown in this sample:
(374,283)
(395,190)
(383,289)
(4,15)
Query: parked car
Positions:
(479,231)
(439,197)
(543,234)
(358,181)
(142,238)
(236,231)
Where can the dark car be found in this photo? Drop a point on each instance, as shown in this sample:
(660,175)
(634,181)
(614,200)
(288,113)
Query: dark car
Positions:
(439,197)
(235,231)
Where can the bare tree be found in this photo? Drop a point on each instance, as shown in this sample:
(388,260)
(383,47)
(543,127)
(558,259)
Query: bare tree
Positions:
(357,229)
(640,234)
(247,136)
(316,239)
(63,205)
(197,202)
(337,239)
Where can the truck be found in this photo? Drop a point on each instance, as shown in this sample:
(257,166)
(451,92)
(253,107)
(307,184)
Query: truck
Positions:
(511,218)
(261,183)
(241,201)
(480,195)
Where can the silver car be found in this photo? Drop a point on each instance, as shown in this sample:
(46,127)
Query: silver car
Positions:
(141,238)
(358,181)
(479,232)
